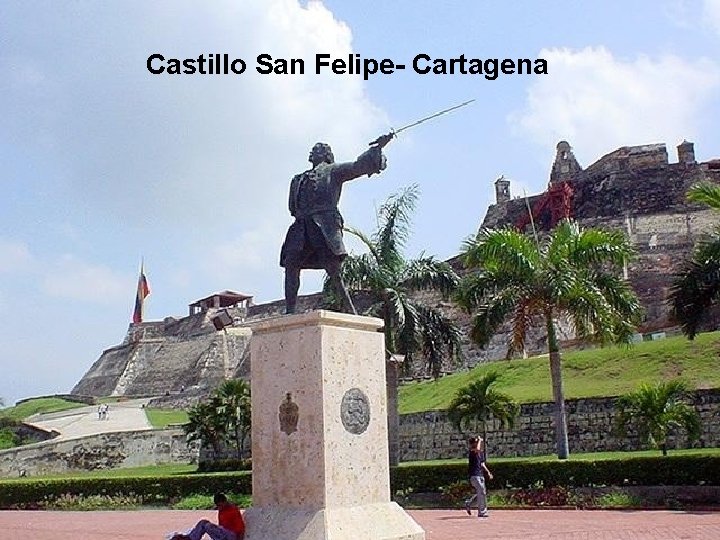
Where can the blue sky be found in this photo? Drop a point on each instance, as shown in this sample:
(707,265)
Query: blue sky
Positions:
(104,163)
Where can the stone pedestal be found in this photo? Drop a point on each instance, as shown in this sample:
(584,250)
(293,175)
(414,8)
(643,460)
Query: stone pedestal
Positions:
(319,432)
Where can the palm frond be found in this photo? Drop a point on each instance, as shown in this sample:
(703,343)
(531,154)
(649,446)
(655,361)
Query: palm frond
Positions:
(427,273)
(603,308)
(478,402)
(696,287)
(472,290)
(522,321)
(439,337)
(359,272)
(705,193)
(598,246)
(394,228)
(503,249)
(369,244)
(492,314)
(657,409)
(503,408)
(404,321)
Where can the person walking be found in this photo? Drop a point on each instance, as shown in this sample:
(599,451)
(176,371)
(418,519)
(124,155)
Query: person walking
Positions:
(476,468)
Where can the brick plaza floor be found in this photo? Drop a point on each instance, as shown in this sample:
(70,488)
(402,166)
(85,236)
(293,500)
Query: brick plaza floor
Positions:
(438,525)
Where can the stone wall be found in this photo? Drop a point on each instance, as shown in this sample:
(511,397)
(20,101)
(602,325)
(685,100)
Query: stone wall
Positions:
(189,355)
(87,400)
(591,428)
(634,189)
(102,451)
(423,436)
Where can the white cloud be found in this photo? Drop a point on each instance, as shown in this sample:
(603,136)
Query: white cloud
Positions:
(189,159)
(14,256)
(74,279)
(251,250)
(711,13)
(598,102)
(180,150)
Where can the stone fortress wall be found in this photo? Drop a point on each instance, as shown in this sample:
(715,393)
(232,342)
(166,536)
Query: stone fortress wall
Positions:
(634,189)
(591,428)
(422,436)
(101,451)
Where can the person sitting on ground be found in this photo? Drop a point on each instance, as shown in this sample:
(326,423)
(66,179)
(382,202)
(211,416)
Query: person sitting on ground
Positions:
(231,525)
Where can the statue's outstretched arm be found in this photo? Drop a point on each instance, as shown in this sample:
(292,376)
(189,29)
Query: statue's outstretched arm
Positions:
(369,162)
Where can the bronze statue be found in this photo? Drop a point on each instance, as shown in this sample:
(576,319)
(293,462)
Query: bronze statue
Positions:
(314,240)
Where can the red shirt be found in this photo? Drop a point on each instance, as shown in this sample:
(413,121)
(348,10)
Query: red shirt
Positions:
(230,518)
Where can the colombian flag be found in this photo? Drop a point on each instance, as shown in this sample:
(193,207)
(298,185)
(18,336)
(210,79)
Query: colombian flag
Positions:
(142,291)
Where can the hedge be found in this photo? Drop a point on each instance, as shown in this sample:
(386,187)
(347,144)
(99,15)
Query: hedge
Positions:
(223,465)
(647,471)
(153,490)
(641,471)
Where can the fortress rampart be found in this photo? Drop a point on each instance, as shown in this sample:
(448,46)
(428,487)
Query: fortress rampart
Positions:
(634,189)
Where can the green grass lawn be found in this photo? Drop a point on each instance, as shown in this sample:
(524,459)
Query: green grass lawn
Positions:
(608,371)
(590,456)
(160,418)
(40,405)
(132,472)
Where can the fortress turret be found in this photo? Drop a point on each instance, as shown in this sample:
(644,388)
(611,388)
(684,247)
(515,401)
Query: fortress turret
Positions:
(565,166)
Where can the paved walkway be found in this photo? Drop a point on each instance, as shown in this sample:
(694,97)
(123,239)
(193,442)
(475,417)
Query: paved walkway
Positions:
(438,525)
(83,421)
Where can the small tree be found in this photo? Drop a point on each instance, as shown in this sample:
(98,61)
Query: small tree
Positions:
(696,286)
(391,280)
(207,424)
(225,418)
(658,410)
(477,402)
(235,398)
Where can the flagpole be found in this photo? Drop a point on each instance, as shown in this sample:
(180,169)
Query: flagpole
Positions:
(532,221)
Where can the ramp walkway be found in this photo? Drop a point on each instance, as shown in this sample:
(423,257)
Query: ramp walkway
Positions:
(81,422)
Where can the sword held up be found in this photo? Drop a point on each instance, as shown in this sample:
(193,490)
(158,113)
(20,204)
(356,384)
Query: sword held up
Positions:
(383,140)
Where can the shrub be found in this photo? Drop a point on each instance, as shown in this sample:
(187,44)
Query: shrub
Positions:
(618,499)
(642,471)
(422,478)
(152,490)
(456,492)
(205,502)
(93,502)
(225,465)
(539,495)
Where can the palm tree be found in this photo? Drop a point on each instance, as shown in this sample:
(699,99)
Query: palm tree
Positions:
(477,402)
(234,396)
(390,279)
(657,410)
(696,287)
(206,424)
(573,272)
(411,328)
